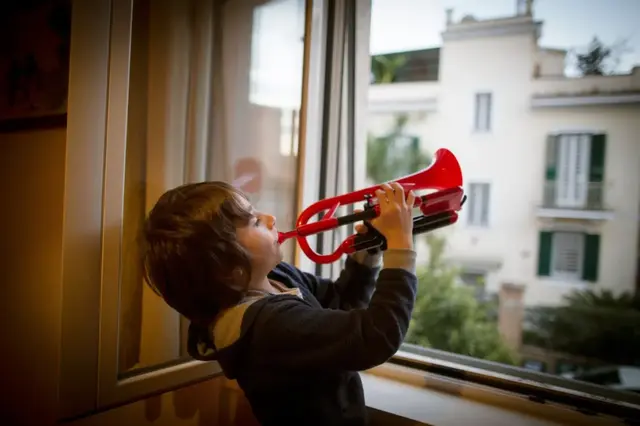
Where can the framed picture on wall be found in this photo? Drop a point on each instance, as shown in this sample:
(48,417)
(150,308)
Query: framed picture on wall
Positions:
(34,65)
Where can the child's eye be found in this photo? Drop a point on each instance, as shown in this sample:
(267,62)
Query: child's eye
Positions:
(258,221)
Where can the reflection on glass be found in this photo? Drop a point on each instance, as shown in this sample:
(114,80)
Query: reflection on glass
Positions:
(275,90)
(541,270)
(252,138)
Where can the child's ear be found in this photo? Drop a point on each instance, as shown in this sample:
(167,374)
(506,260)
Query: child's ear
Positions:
(238,279)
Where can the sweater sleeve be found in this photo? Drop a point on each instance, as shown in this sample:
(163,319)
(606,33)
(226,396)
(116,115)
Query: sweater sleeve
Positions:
(354,286)
(292,334)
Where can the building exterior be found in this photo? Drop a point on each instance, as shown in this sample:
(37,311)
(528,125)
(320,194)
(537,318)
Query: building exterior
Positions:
(550,163)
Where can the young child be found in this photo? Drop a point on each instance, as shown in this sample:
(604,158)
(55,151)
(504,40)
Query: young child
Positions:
(293,341)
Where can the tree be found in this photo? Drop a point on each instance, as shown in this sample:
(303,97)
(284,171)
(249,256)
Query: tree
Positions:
(387,159)
(592,62)
(591,324)
(600,59)
(447,315)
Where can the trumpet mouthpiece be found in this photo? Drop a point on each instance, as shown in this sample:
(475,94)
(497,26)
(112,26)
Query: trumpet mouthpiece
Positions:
(283,236)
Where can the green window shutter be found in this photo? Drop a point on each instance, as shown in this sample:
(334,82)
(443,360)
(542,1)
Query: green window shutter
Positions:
(591,257)
(544,254)
(551,157)
(596,164)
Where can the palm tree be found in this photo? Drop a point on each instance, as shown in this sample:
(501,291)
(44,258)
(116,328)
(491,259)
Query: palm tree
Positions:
(385,67)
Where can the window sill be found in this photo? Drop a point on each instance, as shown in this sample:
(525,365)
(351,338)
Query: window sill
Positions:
(481,132)
(477,227)
(419,402)
(427,398)
(503,385)
(566,283)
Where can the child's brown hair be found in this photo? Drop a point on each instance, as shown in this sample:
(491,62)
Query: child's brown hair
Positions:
(190,251)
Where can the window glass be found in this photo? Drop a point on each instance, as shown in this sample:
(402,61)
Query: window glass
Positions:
(483,112)
(189,122)
(541,112)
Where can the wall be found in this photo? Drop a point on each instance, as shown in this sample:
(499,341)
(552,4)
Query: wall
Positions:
(550,62)
(503,66)
(31,187)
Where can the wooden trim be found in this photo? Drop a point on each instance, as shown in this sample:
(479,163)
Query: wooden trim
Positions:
(82,222)
(302,120)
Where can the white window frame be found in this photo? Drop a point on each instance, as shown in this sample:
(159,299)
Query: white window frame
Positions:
(556,240)
(94,184)
(483,112)
(475,217)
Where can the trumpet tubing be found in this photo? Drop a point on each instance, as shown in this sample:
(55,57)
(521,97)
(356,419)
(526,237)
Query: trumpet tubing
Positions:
(439,209)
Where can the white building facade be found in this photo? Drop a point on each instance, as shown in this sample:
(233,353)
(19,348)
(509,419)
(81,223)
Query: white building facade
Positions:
(550,163)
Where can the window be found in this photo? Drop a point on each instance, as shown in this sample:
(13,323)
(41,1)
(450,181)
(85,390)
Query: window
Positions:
(543,265)
(569,255)
(172,118)
(566,254)
(575,170)
(482,117)
(478,204)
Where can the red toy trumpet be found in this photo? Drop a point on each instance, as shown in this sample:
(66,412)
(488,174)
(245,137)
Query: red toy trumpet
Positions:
(438,209)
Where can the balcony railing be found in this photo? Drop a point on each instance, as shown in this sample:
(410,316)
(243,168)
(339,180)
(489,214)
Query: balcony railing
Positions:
(587,197)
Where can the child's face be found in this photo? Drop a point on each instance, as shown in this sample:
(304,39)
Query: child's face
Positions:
(260,238)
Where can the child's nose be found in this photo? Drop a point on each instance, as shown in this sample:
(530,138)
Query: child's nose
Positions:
(271,220)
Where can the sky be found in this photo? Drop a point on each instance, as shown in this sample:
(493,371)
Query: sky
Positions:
(398,25)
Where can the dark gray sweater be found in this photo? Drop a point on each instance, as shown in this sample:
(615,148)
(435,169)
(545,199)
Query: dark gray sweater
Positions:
(296,354)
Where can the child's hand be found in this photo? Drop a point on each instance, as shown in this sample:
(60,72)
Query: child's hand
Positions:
(396,218)
(360,228)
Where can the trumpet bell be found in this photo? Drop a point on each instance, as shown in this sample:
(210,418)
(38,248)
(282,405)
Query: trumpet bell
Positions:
(443,172)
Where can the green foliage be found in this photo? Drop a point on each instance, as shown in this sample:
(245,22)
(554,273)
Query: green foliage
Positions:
(592,62)
(448,317)
(592,324)
(386,161)
(599,59)
(385,67)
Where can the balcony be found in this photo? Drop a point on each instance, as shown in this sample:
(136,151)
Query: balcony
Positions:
(562,92)
(404,97)
(576,202)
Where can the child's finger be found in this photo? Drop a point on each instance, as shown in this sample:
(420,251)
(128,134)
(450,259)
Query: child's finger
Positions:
(361,228)
(411,199)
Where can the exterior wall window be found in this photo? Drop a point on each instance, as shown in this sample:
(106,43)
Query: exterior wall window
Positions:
(569,255)
(575,171)
(482,117)
(478,207)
